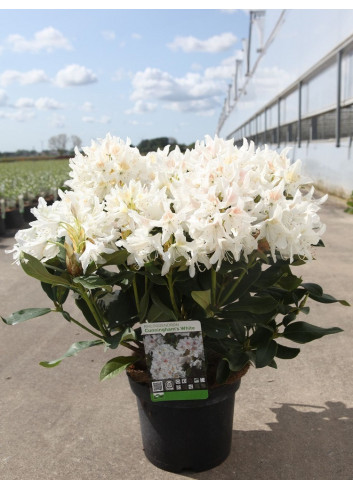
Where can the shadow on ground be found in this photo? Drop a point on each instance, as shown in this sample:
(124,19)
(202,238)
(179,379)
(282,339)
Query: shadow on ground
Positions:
(305,442)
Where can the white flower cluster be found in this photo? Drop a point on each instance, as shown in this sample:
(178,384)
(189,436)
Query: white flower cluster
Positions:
(211,203)
(169,361)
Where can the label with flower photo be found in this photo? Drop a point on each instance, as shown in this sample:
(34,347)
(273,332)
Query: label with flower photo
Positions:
(176,360)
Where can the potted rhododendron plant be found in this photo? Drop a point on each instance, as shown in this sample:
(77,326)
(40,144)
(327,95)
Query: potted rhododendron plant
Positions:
(188,263)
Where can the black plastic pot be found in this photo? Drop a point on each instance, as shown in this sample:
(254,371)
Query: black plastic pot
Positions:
(186,435)
(2,227)
(14,219)
(27,215)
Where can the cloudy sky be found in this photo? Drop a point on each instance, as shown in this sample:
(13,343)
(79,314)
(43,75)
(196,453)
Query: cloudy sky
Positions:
(134,73)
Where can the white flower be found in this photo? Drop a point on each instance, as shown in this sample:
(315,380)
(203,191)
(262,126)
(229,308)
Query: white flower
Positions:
(211,204)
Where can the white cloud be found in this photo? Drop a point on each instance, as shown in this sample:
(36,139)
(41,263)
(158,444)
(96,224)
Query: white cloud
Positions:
(141,107)
(87,107)
(74,75)
(196,67)
(104,119)
(214,44)
(47,39)
(88,119)
(137,36)
(42,103)
(121,73)
(194,92)
(3,97)
(161,85)
(24,103)
(46,103)
(108,35)
(9,77)
(220,72)
(20,115)
(58,121)
(203,107)
(231,11)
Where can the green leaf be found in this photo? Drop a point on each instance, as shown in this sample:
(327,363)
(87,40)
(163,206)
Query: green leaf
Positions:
(92,282)
(313,288)
(327,299)
(316,293)
(223,371)
(155,314)
(244,286)
(216,328)
(125,335)
(238,329)
(72,351)
(289,318)
(150,267)
(250,279)
(110,278)
(25,314)
(202,297)
(116,365)
(49,290)
(122,309)
(255,305)
(66,316)
(116,258)
(55,293)
(155,278)
(237,359)
(289,282)
(144,303)
(35,268)
(273,364)
(265,354)
(286,353)
(271,275)
(301,332)
(168,313)
(261,336)
(82,305)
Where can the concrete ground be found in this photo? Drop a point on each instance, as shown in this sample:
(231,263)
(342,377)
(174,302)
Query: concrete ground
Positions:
(63,423)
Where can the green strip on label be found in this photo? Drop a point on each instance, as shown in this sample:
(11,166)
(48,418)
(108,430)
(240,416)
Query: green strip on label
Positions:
(180,395)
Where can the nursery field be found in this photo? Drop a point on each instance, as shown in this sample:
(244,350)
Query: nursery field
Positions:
(22,182)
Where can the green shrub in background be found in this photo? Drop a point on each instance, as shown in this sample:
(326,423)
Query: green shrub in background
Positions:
(28,180)
(349,208)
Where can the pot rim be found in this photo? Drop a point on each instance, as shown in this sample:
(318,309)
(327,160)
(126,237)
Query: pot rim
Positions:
(215,394)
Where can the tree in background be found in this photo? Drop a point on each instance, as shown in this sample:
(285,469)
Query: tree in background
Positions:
(147,145)
(59,143)
(76,141)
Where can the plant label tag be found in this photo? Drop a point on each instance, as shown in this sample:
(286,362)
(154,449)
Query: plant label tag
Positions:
(175,357)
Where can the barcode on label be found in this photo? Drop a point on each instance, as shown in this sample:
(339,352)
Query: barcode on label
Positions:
(157,386)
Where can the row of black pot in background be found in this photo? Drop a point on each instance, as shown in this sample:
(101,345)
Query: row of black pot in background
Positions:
(16,218)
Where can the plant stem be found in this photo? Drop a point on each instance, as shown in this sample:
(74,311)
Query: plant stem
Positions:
(80,324)
(235,285)
(136,295)
(127,345)
(94,312)
(171,294)
(213,286)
